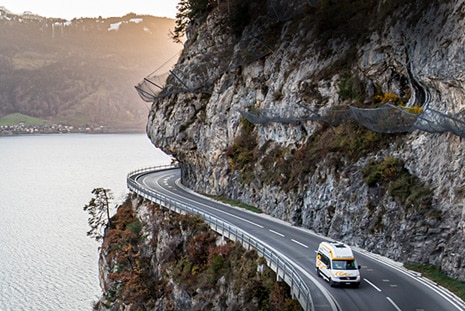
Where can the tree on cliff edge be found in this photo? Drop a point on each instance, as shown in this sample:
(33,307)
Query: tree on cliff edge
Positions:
(188,10)
(99,211)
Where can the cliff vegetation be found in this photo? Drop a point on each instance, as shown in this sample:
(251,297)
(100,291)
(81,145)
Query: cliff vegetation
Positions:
(152,259)
(345,117)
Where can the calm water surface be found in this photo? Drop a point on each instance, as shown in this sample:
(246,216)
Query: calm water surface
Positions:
(46,260)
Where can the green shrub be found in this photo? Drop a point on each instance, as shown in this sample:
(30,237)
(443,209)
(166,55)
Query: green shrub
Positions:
(243,152)
(351,88)
(337,145)
(391,176)
(375,173)
(216,267)
(135,227)
(434,273)
(236,203)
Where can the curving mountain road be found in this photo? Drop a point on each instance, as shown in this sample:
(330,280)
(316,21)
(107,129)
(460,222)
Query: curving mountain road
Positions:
(386,285)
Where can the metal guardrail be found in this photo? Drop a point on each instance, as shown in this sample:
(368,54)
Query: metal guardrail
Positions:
(284,270)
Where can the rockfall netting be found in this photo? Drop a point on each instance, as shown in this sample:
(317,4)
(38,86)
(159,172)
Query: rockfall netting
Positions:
(153,84)
(197,73)
(386,119)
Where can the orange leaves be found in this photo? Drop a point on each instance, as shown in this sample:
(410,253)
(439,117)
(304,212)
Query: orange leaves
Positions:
(389,98)
(198,248)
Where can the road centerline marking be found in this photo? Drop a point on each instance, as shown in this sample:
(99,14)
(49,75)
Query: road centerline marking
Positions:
(159,197)
(277,233)
(394,304)
(373,285)
(300,243)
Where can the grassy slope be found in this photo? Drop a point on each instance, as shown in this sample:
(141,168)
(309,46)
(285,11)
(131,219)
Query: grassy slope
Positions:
(16,118)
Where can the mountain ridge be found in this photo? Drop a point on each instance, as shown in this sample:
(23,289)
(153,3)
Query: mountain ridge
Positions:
(80,72)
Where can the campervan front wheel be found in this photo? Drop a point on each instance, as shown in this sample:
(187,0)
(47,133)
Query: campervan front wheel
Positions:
(331,283)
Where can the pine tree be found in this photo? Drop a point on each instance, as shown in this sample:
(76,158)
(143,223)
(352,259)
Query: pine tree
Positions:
(99,211)
(187,11)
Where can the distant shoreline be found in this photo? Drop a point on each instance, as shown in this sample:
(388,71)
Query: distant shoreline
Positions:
(26,133)
(22,128)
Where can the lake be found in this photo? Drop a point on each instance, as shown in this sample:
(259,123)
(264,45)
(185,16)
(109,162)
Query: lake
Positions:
(47,262)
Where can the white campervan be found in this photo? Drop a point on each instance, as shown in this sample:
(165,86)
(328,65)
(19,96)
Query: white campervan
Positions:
(336,263)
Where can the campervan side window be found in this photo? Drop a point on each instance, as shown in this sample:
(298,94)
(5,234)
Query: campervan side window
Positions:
(324,259)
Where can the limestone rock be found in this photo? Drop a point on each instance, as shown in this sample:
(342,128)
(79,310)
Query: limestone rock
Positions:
(281,60)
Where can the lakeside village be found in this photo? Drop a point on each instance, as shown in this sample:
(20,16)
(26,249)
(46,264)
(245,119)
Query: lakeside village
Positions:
(21,128)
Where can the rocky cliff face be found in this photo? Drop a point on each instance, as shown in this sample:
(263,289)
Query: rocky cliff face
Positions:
(285,59)
(153,260)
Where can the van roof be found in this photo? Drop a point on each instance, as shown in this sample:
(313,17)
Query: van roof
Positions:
(337,250)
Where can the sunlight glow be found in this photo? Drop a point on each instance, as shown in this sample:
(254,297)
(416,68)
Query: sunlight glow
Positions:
(70,9)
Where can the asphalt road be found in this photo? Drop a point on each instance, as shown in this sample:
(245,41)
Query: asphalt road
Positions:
(385,285)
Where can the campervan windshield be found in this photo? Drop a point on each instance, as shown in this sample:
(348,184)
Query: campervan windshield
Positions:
(344,265)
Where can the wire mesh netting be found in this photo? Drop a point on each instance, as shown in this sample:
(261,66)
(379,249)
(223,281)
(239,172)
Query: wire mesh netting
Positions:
(433,121)
(386,119)
(337,117)
(197,73)
(261,116)
(151,86)
(154,83)
(196,76)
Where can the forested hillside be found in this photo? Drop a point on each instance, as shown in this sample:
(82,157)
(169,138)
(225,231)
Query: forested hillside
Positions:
(80,72)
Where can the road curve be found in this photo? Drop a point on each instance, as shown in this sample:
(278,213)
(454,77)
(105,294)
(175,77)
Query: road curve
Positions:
(386,285)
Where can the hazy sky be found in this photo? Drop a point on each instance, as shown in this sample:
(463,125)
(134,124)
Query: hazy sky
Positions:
(70,9)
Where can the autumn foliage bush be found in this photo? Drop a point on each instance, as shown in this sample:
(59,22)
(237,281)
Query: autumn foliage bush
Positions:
(200,262)
(129,277)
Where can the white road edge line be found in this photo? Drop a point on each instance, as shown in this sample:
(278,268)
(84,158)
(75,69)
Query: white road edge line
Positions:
(210,207)
(444,293)
(333,304)
(394,304)
(326,293)
(178,182)
(277,233)
(373,285)
(301,244)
